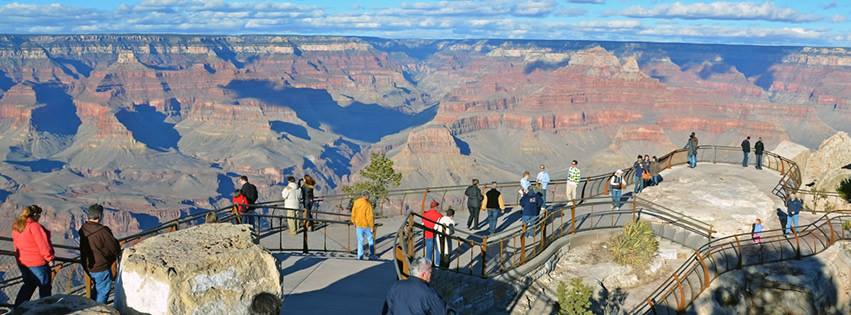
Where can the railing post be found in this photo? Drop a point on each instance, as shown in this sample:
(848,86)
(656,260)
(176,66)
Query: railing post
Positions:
(523,244)
(739,253)
(544,231)
(484,256)
(573,219)
(501,253)
(832,238)
(681,301)
(411,235)
(714,154)
(706,281)
(797,244)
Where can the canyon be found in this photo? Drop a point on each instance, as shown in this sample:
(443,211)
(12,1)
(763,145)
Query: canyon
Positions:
(158,126)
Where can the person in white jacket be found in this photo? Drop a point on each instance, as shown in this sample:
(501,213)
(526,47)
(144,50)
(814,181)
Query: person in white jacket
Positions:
(292,201)
(445,226)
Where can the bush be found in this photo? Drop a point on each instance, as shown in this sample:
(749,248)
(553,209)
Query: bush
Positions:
(844,189)
(574,298)
(636,247)
(847,225)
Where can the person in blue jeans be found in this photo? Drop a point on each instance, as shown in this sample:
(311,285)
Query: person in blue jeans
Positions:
(638,167)
(759,150)
(793,208)
(33,254)
(616,184)
(98,251)
(746,150)
(691,147)
(531,204)
(494,204)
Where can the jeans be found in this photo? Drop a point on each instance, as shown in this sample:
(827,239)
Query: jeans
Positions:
(792,219)
(616,198)
(493,214)
(529,220)
(102,284)
(759,161)
(639,184)
(432,253)
(745,159)
(365,232)
(692,160)
(247,218)
(473,219)
(34,277)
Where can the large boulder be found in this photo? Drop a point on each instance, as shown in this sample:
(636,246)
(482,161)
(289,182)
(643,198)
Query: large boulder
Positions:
(62,304)
(207,269)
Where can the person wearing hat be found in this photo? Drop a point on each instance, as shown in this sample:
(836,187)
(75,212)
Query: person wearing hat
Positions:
(616,185)
(430,218)
(98,251)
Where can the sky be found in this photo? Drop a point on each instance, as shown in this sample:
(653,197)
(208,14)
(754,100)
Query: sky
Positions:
(799,23)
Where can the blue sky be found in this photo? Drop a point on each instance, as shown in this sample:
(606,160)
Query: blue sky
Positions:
(802,22)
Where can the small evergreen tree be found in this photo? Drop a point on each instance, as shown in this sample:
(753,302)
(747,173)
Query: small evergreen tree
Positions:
(378,177)
(575,298)
(844,189)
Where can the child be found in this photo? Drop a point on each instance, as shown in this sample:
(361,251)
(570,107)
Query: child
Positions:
(240,205)
(756,231)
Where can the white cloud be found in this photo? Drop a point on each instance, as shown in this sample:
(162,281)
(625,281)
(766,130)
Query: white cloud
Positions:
(587,1)
(838,18)
(733,32)
(722,11)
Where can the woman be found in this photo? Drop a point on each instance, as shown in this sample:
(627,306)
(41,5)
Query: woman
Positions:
(33,253)
(616,186)
(307,198)
(647,165)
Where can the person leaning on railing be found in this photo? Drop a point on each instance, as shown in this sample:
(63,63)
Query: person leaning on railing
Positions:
(292,202)
(33,253)
(98,251)
(573,178)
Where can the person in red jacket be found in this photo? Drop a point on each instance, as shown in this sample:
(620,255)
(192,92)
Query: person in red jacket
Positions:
(33,253)
(240,207)
(430,217)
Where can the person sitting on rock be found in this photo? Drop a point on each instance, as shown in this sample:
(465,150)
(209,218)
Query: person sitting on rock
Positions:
(414,295)
(98,251)
(364,222)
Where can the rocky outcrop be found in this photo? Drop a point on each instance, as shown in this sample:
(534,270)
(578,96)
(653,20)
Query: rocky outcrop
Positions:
(208,269)
(63,304)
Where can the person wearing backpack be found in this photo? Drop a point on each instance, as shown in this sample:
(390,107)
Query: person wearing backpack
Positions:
(616,186)
(474,204)
(445,228)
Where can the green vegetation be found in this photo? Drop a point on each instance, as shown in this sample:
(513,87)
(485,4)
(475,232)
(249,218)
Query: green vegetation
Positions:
(378,177)
(636,247)
(574,298)
(846,225)
(844,189)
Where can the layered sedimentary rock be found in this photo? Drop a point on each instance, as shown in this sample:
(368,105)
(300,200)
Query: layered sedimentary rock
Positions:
(63,304)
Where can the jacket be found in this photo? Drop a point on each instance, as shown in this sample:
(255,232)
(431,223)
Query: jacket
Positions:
(446,225)
(307,194)
(758,148)
(543,178)
(616,182)
(292,196)
(430,217)
(250,192)
(691,145)
(638,168)
(531,204)
(493,200)
(794,207)
(98,247)
(32,246)
(241,204)
(474,196)
(746,146)
(362,215)
(412,296)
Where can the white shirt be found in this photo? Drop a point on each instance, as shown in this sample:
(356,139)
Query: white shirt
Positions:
(292,196)
(524,183)
(544,179)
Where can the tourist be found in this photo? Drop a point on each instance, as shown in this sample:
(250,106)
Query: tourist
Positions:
(691,147)
(758,150)
(430,218)
(240,208)
(756,231)
(647,167)
(793,208)
(543,179)
(291,195)
(531,204)
(616,186)
(656,170)
(746,150)
(265,303)
(308,195)
(414,295)
(474,204)
(98,251)
(445,228)
(33,253)
(524,181)
(573,177)
(494,204)
(364,221)
(638,169)
(248,190)
(211,217)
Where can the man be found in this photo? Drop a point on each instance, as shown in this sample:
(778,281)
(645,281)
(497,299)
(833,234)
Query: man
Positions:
(543,178)
(414,295)
(430,218)
(474,204)
(98,251)
(616,186)
(691,146)
(638,167)
(531,204)
(573,178)
(445,228)
(248,189)
(794,206)
(746,149)
(758,150)
(291,195)
(494,204)
(364,222)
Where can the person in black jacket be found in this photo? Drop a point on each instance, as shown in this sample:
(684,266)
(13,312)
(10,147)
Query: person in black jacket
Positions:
(746,149)
(98,251)
(474,204)
(758,150)
(414,295)
(248,190)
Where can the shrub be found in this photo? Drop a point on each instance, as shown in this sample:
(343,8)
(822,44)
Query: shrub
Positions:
(636,247)
(847,225)
(844,189)
(574,298)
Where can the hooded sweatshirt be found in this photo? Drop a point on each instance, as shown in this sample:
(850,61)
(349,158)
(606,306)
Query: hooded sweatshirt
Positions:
(98,247)
(32,246)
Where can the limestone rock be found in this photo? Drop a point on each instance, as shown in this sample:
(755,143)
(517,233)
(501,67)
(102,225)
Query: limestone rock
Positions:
(64,304)
(207,269)
(825,165)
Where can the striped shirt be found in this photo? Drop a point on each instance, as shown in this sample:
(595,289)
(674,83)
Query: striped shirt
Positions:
(573,174)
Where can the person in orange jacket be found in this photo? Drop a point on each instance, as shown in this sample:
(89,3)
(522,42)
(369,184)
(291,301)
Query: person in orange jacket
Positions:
(364,221)
(33,253)
(430,218)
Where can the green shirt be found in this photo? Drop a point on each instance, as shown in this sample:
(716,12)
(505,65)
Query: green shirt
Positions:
(573,174)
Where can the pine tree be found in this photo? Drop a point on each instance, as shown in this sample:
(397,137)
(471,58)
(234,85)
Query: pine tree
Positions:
(575,298)
(378,177)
